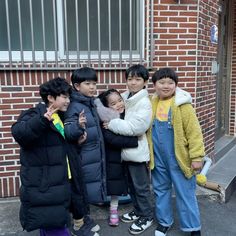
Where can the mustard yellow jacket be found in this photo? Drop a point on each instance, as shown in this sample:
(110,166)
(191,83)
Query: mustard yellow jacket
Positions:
(188,137)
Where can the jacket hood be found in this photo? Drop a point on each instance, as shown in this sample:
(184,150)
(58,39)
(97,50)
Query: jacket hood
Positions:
(79,97)
(105,113)
(136,97)
(41,107)
(182,97)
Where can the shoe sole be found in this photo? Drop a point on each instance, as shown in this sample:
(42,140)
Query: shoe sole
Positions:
(135,232)
(95,228)
(114,225)
(128,221)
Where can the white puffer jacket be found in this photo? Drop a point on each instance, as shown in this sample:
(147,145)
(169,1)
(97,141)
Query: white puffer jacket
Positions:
(138,115)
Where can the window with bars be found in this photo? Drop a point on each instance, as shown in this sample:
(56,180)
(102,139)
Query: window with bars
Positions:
(71,31)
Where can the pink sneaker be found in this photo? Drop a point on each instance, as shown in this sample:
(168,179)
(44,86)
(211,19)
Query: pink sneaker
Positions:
(114,218)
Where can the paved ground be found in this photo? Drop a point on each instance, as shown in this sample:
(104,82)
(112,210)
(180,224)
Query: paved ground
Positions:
(218,219)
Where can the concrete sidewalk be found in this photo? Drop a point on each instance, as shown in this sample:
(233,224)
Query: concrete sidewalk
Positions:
(217,218)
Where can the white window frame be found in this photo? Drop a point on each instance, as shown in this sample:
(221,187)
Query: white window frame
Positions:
(50,55)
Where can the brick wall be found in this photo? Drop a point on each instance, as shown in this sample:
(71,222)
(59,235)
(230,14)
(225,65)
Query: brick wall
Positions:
(205,81)
(181,41)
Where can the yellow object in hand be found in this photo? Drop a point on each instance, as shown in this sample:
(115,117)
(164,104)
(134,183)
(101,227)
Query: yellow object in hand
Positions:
(201,179)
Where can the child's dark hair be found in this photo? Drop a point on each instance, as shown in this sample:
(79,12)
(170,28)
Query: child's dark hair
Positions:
(54,87)
(137,70)
(83,74)
(165,73)
(104,96)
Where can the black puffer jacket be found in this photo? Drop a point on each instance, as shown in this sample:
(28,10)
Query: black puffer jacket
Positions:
(92,152)
(45,191)
(116,175)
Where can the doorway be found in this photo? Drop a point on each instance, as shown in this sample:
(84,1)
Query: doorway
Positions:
(224,73)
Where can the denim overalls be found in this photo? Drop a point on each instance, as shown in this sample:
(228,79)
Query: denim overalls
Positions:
(166,173)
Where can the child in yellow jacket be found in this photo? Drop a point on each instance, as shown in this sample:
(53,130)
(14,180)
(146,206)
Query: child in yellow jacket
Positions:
(176,149)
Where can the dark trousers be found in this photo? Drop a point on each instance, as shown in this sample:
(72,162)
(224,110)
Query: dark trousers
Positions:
(79,206)
(139,188)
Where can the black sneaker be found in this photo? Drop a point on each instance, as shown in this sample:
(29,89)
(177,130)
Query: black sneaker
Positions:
(161,230)
(129,217)
(196,233)
(90,223)
(140,225)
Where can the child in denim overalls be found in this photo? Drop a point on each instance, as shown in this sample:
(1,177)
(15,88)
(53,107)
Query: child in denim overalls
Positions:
(177,149)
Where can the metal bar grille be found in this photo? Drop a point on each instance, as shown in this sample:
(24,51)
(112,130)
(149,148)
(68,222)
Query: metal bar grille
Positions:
(8,33)
(43,32)
(88,33)
(57,48)
(32,33)
(120,33)
(66,34)
(130,32)
(77,31)
(55,33)
(99,35)
(20,33)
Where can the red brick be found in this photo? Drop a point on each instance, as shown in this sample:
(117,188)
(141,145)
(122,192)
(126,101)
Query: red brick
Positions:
(12,157)
(12,100)
(7,174)
(12,168)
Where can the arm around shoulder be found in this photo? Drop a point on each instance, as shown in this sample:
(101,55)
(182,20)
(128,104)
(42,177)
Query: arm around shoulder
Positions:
(119,141)
(136,121)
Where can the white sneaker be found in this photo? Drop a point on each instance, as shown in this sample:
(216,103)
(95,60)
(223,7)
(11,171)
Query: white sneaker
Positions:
(140,225)
(129,217)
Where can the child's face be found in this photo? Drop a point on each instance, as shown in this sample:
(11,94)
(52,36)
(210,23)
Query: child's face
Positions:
(135,84)
(60,103)
(116,102)
(87,88)
(165,88)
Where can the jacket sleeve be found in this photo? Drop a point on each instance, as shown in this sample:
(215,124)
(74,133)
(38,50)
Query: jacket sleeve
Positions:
(71,125)
(137,125)
(29,127)
(119,141)
(193,132)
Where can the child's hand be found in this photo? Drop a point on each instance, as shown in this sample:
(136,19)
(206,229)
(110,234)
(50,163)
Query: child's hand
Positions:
(82,138)
(50,111)
(82,119)
(105,124)
(196,165)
